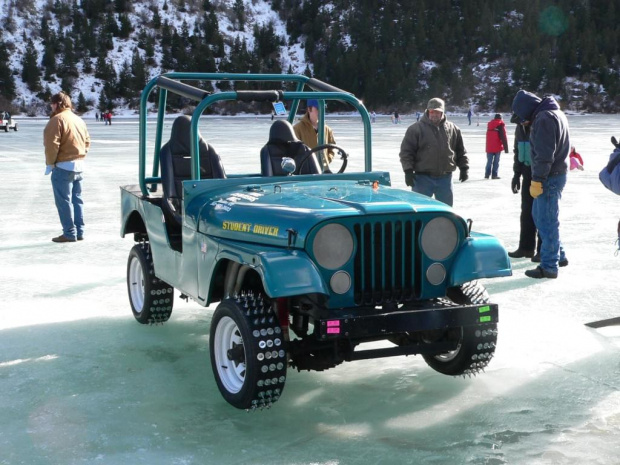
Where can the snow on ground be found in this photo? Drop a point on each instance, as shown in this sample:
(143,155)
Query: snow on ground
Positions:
(82,382)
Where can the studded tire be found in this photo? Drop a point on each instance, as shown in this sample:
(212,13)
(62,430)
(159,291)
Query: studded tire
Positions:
(248,354)
(151,298)
(476,344)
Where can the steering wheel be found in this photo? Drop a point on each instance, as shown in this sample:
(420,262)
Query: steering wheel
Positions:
(344,156)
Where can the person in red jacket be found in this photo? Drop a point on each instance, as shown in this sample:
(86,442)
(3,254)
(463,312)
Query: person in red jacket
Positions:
(496,142)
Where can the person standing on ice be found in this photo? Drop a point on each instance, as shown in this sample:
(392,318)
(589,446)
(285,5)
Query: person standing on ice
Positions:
(66,140)
(430,151)
(496,142)
(521,169)
(550,146)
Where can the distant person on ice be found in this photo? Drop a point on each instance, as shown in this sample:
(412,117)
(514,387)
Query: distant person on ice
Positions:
(430,151)
(66,142)
(496,142)
(576,162)
(550,146)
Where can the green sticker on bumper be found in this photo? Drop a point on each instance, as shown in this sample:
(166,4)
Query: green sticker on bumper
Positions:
(484,309)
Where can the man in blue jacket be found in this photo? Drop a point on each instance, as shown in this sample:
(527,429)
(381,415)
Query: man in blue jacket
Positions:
(550,146)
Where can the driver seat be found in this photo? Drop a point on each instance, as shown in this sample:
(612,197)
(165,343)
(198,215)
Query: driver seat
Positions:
(176,165)
(284,143)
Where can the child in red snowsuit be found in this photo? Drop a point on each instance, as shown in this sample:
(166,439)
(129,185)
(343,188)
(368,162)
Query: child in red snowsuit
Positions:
(576,162)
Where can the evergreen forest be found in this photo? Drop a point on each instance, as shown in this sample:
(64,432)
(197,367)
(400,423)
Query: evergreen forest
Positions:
(393,54)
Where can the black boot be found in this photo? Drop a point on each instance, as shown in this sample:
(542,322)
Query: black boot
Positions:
(519,253)
(539,273)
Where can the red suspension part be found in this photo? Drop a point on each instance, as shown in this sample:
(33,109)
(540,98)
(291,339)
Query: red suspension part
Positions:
(282,306)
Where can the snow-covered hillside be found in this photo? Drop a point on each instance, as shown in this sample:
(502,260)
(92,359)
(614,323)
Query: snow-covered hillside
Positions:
(23,18)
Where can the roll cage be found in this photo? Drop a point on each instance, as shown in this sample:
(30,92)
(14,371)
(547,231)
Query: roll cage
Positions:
(307,88)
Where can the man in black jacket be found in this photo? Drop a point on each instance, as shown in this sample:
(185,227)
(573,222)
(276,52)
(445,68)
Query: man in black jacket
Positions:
(522,168)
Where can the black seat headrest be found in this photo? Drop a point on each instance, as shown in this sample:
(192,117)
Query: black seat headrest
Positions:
(180,136)
(281,131)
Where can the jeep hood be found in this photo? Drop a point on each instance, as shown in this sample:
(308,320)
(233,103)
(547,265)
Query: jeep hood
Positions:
(266,212)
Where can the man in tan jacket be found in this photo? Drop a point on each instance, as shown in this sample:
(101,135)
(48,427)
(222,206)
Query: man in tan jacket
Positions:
(66,142)
(307,130)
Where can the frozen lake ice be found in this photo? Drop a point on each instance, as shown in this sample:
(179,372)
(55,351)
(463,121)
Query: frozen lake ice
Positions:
(82,382)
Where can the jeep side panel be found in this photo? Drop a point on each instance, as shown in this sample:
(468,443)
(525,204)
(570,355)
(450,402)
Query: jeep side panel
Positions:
(169,264)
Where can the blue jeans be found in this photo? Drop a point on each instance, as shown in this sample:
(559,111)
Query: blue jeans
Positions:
(440,186)
(492,164)
(67,186)
(546,212)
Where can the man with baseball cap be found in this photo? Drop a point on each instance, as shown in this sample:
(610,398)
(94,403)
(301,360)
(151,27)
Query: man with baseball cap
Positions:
(307,130)
(431,151)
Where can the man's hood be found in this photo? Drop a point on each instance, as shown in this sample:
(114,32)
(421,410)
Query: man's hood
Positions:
(524,105)
(547,104)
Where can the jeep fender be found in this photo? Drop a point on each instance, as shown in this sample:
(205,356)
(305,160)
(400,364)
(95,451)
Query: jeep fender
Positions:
(284,272)
(480,256)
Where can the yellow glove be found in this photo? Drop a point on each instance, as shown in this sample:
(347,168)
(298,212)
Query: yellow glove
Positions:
(536,189)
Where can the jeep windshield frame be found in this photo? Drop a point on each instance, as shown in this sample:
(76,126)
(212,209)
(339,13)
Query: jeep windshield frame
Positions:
(307,88)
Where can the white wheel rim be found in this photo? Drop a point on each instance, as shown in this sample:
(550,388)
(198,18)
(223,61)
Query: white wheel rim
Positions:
(449,356)
(136,284)
(227,336)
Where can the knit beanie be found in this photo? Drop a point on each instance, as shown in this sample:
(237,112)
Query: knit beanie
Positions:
(436,104)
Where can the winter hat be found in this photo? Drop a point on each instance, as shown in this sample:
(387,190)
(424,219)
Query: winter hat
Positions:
(524,105)
(312,103)
(436,104)
(498,116)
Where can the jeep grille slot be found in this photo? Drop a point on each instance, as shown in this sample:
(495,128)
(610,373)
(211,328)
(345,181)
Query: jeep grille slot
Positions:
(386,263)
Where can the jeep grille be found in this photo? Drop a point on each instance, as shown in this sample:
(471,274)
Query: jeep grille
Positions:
(386,262)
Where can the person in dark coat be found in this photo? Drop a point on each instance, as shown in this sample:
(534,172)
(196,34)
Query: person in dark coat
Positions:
(431,151)
(550,146)
(521,168)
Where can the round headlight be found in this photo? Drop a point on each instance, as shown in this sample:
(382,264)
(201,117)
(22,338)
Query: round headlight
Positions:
(340,282)
(439,238)
(435,274)
(332,246)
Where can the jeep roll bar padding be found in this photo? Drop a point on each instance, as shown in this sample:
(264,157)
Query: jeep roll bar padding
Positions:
(323,86)
(182,89)
(259,95)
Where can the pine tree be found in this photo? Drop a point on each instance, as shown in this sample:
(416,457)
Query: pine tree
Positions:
(48,61)
(31,74)
(156,19)
(7,81)
(126,28)
(239,10)
(69,60)
(138,70)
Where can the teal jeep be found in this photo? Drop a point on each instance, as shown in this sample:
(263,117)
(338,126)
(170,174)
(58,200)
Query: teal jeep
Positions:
(308,265)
